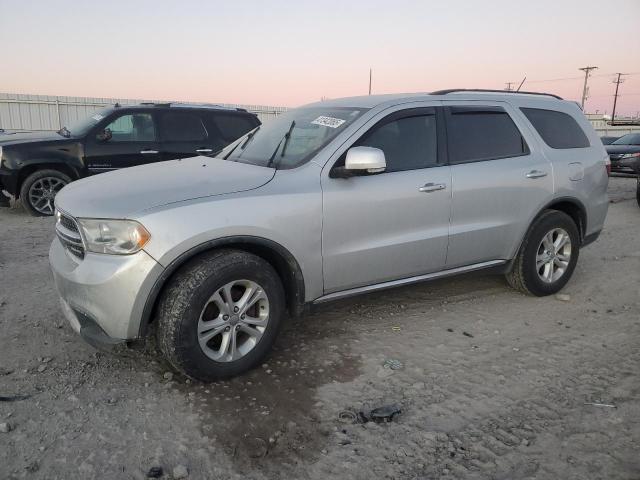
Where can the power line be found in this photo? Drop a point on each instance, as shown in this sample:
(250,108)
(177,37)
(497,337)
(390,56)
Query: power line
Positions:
(587,72)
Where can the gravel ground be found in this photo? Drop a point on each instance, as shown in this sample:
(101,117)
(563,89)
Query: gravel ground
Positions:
(491,383)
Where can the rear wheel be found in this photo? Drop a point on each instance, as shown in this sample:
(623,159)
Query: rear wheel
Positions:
(548,255)
(220,315)
(39,189)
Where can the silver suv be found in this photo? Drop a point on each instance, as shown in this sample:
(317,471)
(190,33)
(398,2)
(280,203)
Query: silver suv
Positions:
(330,200)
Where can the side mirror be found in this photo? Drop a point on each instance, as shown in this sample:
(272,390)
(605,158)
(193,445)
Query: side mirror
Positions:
(361,160)
(104,136)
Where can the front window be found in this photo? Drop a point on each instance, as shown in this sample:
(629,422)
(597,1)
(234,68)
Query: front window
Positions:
(82,125)
(293,138)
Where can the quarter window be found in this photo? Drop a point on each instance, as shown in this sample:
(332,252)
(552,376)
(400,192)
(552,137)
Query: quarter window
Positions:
(133,127)
(557,129)
(182,127)
(482,133)
(408,143)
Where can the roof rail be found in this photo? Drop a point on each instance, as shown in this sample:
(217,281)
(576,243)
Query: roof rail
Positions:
(482,90)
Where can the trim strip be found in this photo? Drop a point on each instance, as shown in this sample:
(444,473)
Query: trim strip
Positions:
(406,281)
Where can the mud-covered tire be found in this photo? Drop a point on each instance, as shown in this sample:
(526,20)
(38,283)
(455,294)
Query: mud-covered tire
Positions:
(26,198)
(183,303)
(524,276)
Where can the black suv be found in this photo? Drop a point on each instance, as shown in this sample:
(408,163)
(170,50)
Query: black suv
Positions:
(35,166)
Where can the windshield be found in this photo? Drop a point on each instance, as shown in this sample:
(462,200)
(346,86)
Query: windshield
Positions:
(630,139)
(82,125)
(292,138)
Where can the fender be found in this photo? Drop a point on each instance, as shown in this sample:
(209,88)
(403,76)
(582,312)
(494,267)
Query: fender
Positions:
(282,260)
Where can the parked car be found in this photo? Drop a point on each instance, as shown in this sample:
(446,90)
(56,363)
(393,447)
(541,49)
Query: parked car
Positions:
(35,166)
(608,140)
(625,154)
(327,201)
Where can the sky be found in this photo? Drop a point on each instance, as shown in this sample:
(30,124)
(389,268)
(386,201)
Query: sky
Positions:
(288,53)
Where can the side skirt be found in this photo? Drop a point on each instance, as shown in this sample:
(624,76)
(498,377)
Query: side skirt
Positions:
(407,281)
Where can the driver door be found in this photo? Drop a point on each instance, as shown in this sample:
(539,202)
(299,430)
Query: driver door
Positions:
(395,224)
(133,142)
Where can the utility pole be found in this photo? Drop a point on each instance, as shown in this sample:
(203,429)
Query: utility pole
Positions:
(370,76)
(508,84)
(617,81)
(587,73)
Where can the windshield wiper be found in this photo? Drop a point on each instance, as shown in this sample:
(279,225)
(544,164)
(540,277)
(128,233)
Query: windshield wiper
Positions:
(242,145)
(284,139)
(64,131)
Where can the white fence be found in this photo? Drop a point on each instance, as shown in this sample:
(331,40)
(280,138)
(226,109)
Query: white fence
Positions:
(34,113)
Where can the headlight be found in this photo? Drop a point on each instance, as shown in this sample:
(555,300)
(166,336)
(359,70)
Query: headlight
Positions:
(630,155)
(115,237)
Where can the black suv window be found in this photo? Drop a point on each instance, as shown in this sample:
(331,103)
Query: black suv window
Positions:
(232,125)
(182,127)
(408,143)
(557,129)
(133,127)
(482,133)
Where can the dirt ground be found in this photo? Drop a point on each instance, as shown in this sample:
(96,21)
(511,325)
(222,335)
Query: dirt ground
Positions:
(491,383)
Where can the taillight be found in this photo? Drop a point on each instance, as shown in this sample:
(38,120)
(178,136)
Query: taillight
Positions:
(607,164)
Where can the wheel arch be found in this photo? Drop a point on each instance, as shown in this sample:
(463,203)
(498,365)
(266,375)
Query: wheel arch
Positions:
(569,205)
(46,164)
(278,257)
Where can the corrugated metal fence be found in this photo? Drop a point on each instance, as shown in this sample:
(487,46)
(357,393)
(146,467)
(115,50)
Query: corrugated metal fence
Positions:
(49,113)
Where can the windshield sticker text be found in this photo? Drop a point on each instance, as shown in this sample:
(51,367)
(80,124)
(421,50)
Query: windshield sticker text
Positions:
(330,122)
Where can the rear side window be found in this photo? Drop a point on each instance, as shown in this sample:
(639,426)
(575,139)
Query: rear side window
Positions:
(557,129)
(233,126)
(182,127)
(482,133)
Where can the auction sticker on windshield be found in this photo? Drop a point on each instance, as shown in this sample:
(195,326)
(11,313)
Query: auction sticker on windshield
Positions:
(330,122)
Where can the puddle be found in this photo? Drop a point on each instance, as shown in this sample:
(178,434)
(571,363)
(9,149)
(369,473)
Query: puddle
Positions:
(267,418)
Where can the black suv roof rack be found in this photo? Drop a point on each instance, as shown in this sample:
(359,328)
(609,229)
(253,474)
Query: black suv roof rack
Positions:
(483,90)
(192,105)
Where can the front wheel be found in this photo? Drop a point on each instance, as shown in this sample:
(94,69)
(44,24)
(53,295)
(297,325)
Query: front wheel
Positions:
(220,315)
(39,189)
(548,255)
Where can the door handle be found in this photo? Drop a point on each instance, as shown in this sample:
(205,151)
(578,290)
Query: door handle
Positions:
(148,152)
(536,174)
(432,187)
(204,150)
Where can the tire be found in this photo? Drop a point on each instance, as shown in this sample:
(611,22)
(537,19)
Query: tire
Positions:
(525,276)
(191,303)
(51,182)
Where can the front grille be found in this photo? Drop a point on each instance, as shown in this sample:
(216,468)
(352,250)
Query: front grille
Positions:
(69,235)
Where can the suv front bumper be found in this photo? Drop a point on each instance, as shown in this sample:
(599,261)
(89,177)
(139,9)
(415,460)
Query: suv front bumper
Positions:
(103,296)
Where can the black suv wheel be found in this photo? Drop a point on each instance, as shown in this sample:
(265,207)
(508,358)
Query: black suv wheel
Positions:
(547,256)
(39,189)
(220,315)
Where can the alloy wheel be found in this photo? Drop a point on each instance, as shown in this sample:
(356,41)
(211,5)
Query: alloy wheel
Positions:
(42,193)
(553,255)
(233,320)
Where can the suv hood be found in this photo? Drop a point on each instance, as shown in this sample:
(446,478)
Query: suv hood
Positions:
(120,193)
(28,137)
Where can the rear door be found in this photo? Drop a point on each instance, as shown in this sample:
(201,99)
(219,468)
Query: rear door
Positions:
(225,127)
(500,177)
(133,142)
(183,134)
